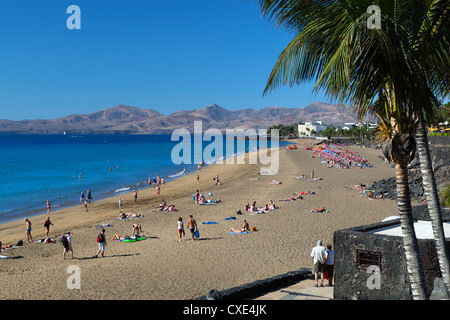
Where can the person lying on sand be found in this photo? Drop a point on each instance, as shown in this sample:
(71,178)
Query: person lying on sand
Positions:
(245,228)
(167,208)
(128,215)
(319,210)
(292,198)
(302,193)
(119,237)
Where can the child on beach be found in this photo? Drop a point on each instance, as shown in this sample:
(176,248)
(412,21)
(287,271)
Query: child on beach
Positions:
(180,228)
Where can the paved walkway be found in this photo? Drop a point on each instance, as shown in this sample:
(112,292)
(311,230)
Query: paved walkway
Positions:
(303,290)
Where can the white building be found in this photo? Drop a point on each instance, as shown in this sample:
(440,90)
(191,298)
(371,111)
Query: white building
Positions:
(308,127)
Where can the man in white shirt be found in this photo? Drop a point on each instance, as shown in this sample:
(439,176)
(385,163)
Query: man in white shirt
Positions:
(319,255)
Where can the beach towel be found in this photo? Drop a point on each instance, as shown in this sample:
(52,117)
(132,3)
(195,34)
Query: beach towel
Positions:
(102,226)
(315,179)
(131,239)
(230,218)
(313,211)
(4,257)
(231,232)
(275,182)
(210,222)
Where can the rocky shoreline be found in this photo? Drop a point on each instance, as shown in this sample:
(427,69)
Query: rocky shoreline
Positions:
(440,157)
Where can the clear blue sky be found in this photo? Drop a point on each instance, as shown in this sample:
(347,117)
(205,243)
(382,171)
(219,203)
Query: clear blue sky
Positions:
(166,55)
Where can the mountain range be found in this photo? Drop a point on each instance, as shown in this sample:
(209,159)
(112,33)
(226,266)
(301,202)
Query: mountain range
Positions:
(124,119)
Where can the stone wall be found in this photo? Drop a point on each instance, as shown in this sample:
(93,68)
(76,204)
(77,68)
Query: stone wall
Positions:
(356,283)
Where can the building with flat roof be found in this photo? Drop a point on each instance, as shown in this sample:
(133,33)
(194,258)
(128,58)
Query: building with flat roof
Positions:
(309,128)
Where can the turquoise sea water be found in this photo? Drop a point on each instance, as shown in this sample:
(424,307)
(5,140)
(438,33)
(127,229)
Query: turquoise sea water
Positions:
(37,168)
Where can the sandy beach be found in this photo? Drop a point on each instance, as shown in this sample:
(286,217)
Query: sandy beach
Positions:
(161,267)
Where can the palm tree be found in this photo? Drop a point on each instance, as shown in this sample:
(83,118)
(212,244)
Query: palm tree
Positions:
(357,66)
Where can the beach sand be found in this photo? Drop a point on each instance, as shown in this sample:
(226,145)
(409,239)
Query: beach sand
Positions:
(161,267)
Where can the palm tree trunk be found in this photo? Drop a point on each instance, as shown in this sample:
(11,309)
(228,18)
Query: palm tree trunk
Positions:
(434,206)
(410,243)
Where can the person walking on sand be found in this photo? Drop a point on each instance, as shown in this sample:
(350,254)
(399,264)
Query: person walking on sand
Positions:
(330,264)
(101,239)
(319,255)
(192,225)
(180,227)
(28,228)
(47,224)
(48,207)
(67,243)
(312,174)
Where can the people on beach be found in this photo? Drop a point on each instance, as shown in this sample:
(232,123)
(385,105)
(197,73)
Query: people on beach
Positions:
(337,156)
(192,225)
(319,255)
(135,196)
(128,215)
(101,240)
(330,264)
(48,207)
(28,229)
(85,205)
(47,224)
(120,203)
(137,230)
(89,195)
(245,228)
(117,236)
(81,198)
(180,228)
(67,244)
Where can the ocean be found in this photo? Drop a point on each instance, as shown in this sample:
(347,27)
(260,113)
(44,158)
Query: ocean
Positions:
(37,168)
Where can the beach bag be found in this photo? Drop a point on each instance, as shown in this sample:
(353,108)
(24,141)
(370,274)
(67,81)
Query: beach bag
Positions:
(20,243)
(100,238)
(196,234)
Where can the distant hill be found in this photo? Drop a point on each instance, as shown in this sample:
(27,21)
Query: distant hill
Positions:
(132,120)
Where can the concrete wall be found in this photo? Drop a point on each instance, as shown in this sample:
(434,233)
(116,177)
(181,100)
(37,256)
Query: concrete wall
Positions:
(353,282)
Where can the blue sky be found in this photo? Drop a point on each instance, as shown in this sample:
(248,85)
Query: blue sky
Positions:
(165,55)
